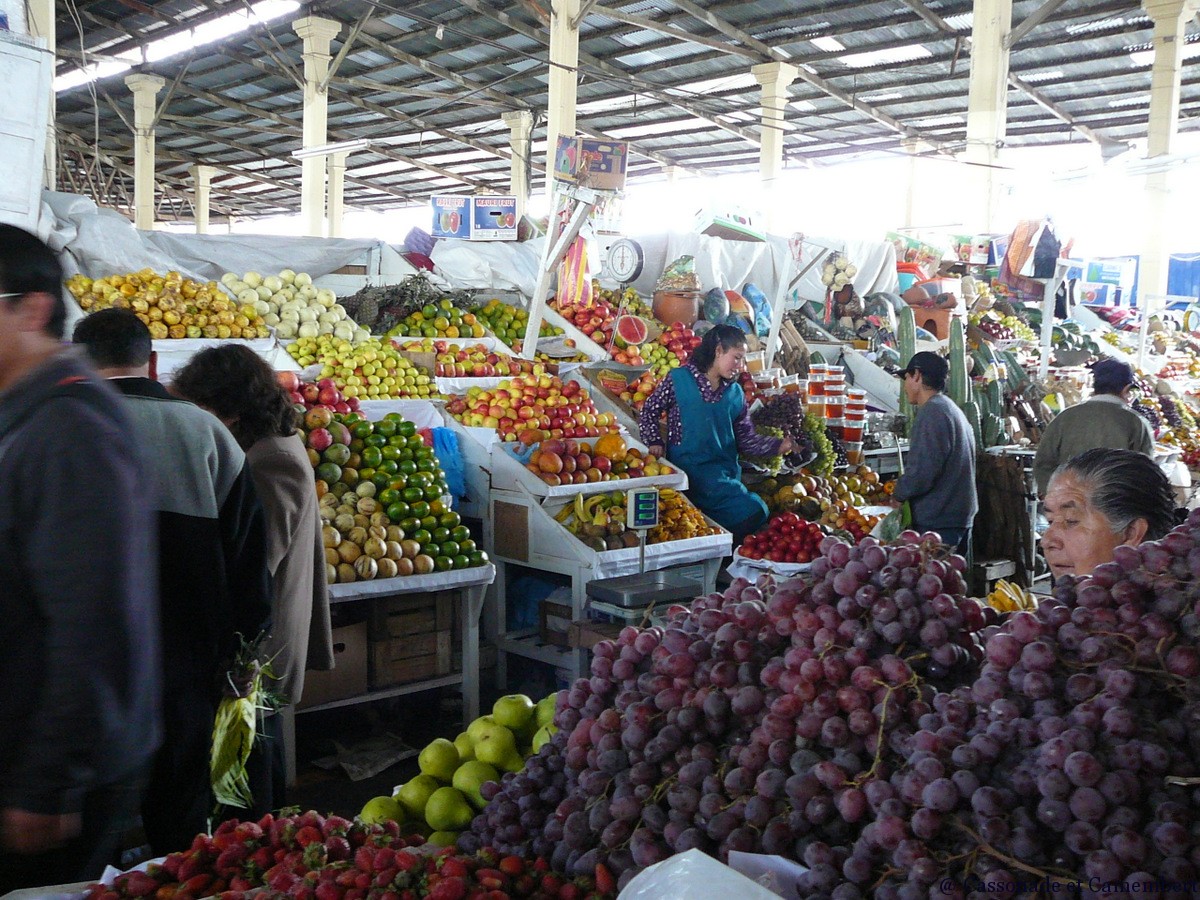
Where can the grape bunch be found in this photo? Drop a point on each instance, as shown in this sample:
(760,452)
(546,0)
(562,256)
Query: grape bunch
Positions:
(1147,412)
(1175,413)
(819,436)
(1074,756)
(840,459)
(763,719)
(785,412)
(769,464)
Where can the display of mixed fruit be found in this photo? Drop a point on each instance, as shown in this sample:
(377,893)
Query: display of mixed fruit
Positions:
(171,306)
(509,322)
(531,408)
(291,304)
(369,370)
(599,520)
(472,361)
(440,319)
(560,462)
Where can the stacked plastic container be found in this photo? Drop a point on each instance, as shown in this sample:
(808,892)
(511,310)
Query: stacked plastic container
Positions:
(854,419)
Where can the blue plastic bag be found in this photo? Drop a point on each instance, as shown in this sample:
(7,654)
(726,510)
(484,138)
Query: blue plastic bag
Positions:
(445,447)
(762,308)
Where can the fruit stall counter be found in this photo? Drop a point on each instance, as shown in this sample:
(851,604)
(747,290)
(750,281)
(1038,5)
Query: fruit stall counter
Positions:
(540,534)
(470,586)
(511,463)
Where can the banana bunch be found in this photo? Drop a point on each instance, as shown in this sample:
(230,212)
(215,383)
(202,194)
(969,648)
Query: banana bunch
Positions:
(597,510)
(1008,597)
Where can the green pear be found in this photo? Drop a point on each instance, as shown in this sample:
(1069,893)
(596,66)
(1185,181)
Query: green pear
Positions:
(543,713)
(495,745)
(443,838)
(513,711)
(514,762)
(415,793)
(476,729)
(378,810)
(465,747)
(471,776)
(543,735)
(448,810)
(439,759)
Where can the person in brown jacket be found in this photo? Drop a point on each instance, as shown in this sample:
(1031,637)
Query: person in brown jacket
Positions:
(240,389)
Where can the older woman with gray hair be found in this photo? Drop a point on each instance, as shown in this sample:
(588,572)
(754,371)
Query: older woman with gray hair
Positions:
(1099,500)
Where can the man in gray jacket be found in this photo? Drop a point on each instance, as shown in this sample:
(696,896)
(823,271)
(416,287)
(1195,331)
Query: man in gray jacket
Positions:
(939,481)
(1103,421)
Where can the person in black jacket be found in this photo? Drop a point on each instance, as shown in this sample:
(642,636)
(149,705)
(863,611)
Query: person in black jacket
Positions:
(213,575)
(80,671)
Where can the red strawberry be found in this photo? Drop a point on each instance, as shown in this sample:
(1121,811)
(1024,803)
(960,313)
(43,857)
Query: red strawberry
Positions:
(315,855)
(407,862)
(137,884)
(266,822)
(364,859)
(263,858)
(337,848)
(335,825)
(540,865)
(454,867)
(390,895)
(231,895)
(363,881)
(524,885)
(238,883)
(231,859)
(569,891)
(282,881)
(391,828)
(491,879)
(171,865)
(190,867)
(345,878)
(327,890)
(304,893)
(354,893)
(196,884)
(249,831)
(307,835)
(385,858)
(605,883)
(449,889)
(311,819)
(512,865)
(225,827)
(385,877)
(551,883)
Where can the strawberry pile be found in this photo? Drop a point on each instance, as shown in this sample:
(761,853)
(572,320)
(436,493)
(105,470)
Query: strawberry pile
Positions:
(313,857)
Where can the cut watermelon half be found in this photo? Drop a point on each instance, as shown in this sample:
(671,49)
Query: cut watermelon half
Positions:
(633,330)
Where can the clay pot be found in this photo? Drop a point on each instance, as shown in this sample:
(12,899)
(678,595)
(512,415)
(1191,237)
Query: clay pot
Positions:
(677,306)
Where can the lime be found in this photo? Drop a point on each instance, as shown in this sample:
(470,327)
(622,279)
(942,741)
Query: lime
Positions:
(388,466)
(459,533)
(421,536)
(462,561)
(429,523)
(398,440)
(450,520)
(390,452)
(432,492)
(478,558)
(415,443)
(397,511)
(371,456)
(408,429)
(409,524)
(350,477)
(375,440)
(468,546)
(407,466)
(366,473)
(426,465)
(362,429)
(441,534)
(443,563)
(388,496)
(398,482)
(412,495)
(420,509)
(329,472)
(450,548)
(387,427)
(381,479)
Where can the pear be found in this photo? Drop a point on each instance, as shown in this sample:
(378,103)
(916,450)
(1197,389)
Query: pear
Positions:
(495,746)
(448,810)
(513,711)
(465,747)
(471,776)
(476,729)
(414,794)
(439,759)
(543,713)
(378,810)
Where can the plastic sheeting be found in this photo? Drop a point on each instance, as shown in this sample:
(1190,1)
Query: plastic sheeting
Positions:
(212,255)
(719,263)
(492,266)
(692,875)
(876,262)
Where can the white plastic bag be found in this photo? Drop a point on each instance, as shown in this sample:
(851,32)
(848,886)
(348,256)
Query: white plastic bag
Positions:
(692,875)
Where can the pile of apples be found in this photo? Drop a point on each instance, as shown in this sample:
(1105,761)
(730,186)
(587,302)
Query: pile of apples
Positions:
(370,370)
(558,462)
(636,394)
(786,539)
(531,408)
(680,340)
(307,395)
(596,321)
(475,361)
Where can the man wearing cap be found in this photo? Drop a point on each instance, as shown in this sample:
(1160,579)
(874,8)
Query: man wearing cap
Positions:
(1103,421)
(939,479)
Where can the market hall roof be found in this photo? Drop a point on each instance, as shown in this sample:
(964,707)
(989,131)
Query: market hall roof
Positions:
(428,80)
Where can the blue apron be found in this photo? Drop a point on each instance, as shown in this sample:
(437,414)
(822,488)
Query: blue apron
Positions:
(709,453)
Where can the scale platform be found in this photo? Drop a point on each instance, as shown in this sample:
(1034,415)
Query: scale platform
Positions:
(638,591)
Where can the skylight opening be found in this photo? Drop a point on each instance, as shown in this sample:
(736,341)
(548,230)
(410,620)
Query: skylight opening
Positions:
(884,57)
(828,44)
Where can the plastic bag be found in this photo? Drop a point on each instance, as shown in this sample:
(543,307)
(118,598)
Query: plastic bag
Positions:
(574,283)
(761,306)
(692,875)
(680,275)
(449,456)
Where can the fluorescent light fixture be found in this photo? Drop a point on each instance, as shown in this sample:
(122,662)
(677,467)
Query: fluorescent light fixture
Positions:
(164,48)
(828,44)
(330,149)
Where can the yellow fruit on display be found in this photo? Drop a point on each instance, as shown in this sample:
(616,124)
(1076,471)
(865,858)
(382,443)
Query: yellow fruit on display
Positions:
(439,759)
(543,713)
(415,793)
(442,838)
(514,711)
(448,810)
(496,746)
(471,776)
(465,747)
(382,809)
(369,369)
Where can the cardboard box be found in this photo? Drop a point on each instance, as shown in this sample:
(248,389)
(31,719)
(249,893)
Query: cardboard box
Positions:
(591,163)
(729,224)
(554,622)
(348,678)
(470,218)
(410,637)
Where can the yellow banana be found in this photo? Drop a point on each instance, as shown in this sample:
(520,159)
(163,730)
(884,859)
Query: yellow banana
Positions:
(580,510)
(563,514)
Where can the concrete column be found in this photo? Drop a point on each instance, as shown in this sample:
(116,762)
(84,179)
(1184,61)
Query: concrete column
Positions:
(987,108)
(337,185)
(202,178)
(914,206)
(145,91)
(1170,20)
(564,79)
(774,78)
(316,34)
(520,131)
(41,25)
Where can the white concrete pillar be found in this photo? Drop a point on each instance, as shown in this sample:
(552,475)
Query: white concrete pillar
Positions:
(775,78)
(1170,20)
(919,185)
(145,92)
(337,186)
(520,131)
(987,108)
(563,79)
(202,178)
(316,34)
(672,173)
(41,25)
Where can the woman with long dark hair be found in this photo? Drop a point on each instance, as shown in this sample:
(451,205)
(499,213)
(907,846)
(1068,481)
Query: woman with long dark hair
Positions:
(239,388)
(698,415)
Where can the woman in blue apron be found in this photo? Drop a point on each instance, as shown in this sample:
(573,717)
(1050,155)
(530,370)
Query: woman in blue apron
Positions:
(698,414)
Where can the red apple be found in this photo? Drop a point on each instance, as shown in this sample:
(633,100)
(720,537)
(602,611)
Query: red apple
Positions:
(311,393)
(289,381)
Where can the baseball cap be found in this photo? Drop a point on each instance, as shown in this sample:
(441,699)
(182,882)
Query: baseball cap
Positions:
(932,367)
(1111,376)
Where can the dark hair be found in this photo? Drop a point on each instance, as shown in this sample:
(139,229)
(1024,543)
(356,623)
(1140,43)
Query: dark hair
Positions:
(28,266)
(237,386)
(726,337)
(114,338)
(1125,486)
(1111,376)
(932,368)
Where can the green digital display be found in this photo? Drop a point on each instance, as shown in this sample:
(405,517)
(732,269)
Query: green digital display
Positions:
(641,508)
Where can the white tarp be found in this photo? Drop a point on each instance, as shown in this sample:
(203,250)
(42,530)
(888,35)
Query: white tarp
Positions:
(212,255)
(876,262)
(489,265)
(719,263)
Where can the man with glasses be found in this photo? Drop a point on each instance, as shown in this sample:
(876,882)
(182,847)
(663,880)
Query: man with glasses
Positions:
(939,478)
(1103,421)
(79,676)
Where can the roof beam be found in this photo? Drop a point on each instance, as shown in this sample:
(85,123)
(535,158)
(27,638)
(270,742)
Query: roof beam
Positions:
(918,6)
(648,24)
(1036,18)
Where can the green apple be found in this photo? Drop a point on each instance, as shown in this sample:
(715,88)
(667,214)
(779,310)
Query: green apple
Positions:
(465,747)
(543,713)
(495,745)
(513,711)
(378,810)
(471,776)
(439,759)
(415,793)
(448,810)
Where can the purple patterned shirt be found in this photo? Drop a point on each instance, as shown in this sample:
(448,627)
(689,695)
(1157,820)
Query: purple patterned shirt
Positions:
(662,403)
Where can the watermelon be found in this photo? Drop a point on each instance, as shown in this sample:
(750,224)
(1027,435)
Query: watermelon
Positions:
(716,305)
(632,330)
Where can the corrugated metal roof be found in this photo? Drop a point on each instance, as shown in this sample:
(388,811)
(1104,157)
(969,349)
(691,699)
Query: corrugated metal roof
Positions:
(429,79)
